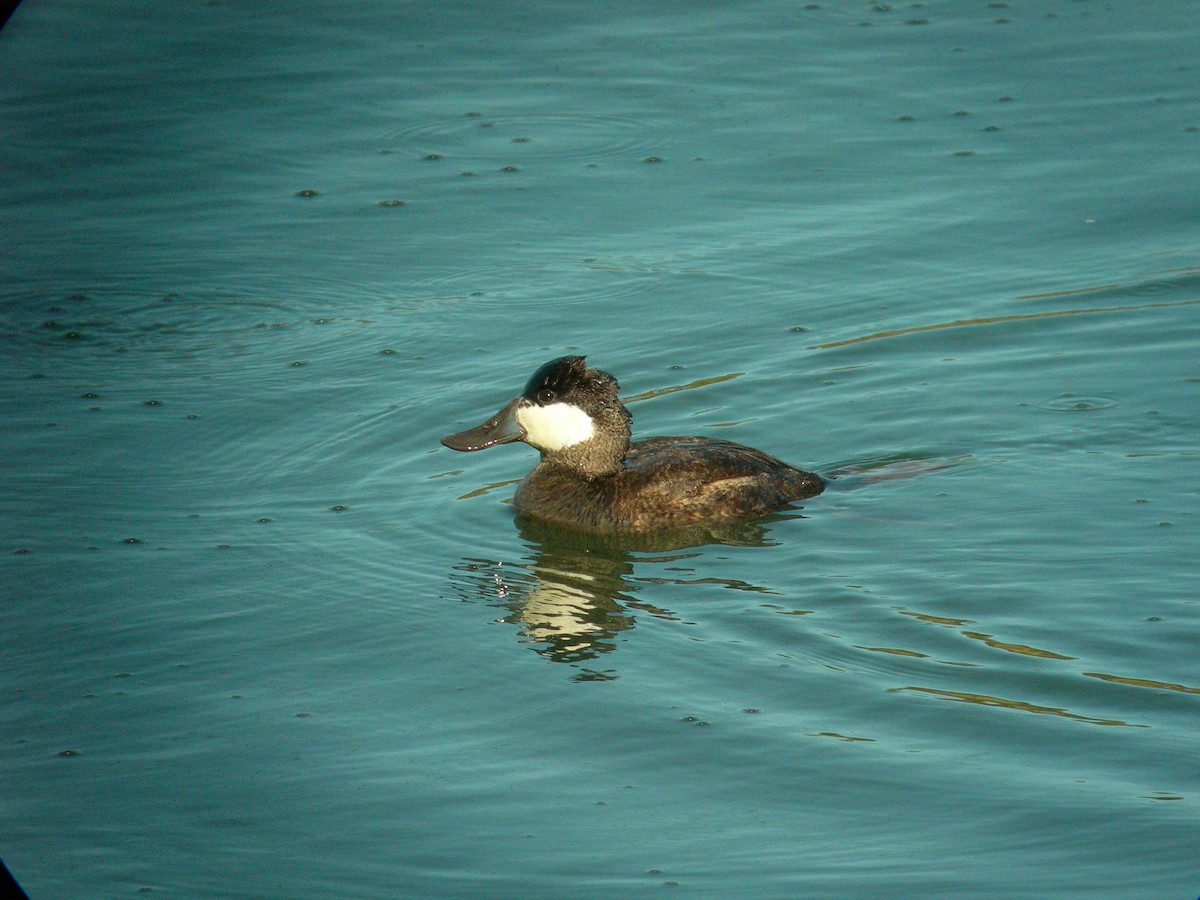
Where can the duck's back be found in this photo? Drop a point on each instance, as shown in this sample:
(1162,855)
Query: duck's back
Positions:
(698,478)
(668,482)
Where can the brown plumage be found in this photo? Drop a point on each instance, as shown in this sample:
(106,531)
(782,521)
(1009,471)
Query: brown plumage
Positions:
(591,477)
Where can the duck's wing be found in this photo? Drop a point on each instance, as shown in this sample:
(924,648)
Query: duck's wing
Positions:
(703,478)
(702,458)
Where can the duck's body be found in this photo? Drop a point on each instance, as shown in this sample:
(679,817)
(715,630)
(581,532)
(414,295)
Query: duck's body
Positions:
(591,477)
(666,482)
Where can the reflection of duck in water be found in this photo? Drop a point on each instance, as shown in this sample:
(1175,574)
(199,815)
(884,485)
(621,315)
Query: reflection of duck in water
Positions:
(574,594)
(591,477)
(568,604)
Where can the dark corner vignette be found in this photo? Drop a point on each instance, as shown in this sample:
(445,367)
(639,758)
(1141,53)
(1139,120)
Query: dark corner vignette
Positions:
(7,7)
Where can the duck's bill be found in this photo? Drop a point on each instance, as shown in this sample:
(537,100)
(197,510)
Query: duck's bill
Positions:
(502,428)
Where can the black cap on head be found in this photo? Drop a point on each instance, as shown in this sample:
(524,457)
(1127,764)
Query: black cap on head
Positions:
(555,378)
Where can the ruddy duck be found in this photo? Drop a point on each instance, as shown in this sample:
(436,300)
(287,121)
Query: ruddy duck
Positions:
(591,477)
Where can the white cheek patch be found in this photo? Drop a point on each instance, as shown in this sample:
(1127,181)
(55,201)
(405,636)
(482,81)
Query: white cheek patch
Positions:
(555,426)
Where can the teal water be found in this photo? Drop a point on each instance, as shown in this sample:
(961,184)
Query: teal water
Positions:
(265,637)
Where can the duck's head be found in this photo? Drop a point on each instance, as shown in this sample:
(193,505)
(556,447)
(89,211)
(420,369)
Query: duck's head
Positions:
(568,411)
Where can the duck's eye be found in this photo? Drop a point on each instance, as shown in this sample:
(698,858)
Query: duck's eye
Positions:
(545,396)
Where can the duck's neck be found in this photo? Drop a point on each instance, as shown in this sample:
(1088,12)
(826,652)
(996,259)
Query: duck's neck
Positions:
(602,453)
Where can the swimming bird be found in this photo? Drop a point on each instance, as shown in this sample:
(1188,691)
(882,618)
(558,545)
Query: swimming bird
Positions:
(591,477)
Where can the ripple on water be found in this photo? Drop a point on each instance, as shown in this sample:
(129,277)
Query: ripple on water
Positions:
(1070,403)
(1169,283)
(526,284)
(252,322)
(121,319)
(511,138)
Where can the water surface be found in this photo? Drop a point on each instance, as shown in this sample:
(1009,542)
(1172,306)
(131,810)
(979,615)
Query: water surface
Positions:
(265,637)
